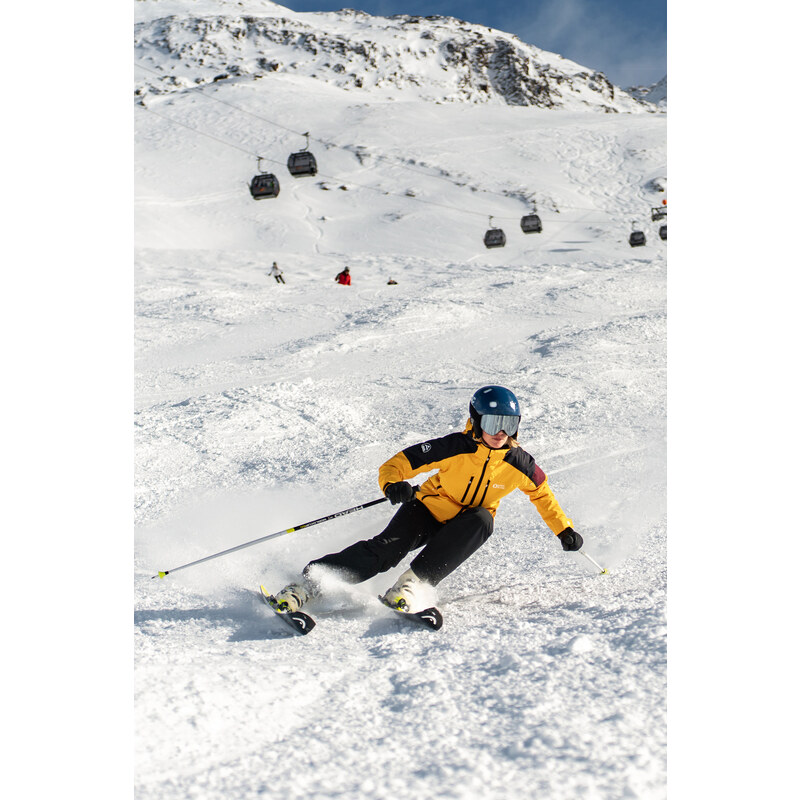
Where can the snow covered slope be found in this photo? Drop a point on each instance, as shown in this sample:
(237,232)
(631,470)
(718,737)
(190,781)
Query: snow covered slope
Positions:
(260,406)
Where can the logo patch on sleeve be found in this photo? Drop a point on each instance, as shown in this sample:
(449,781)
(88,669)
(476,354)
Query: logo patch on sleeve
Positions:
(425,447)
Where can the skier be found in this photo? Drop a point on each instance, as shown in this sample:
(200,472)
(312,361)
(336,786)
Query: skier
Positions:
(343,277)
(451,515)
(276,273)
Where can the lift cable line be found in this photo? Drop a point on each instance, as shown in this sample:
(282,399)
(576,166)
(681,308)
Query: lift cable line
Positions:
(334,178)
(198,90)
(326,143)
(202,133)
(320,174)
(348,148)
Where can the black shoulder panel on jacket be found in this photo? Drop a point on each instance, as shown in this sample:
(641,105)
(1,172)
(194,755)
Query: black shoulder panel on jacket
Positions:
(454,444)
(523,461)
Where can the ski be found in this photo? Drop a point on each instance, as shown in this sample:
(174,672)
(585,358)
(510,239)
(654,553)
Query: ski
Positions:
(298,621)
(302,623)
(430,617)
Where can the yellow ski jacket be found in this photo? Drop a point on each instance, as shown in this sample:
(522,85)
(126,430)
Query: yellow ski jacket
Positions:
(471,474)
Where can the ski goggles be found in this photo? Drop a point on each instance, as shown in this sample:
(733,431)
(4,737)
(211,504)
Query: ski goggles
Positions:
(494,423)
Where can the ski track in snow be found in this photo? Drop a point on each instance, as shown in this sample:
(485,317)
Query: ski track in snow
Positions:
(259,407)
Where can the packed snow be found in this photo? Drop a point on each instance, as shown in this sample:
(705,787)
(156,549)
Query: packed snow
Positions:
(261,406)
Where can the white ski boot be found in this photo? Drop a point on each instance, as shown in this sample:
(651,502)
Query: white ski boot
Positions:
(293,597)
(407,594)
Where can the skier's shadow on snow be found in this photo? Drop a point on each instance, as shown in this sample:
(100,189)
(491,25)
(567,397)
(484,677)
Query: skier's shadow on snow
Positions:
(261,630)
(252,620)
(377,630)
(257,622)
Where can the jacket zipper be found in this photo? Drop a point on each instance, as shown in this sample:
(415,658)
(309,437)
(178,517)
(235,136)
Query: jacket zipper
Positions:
(483,496)
(471,478)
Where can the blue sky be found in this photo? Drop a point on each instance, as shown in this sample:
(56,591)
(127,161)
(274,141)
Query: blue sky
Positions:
(625,39)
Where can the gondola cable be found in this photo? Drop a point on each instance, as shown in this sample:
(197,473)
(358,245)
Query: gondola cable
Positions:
(329,144)
(333,178)
(405,196)
(322,175)
(349,148)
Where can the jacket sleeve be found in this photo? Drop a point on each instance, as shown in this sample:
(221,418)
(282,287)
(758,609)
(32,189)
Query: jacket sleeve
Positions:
(548,507)
(397,468)
(423,457)
(535,485)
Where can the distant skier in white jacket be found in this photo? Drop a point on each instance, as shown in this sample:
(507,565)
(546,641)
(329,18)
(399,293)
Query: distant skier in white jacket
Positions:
(276,273)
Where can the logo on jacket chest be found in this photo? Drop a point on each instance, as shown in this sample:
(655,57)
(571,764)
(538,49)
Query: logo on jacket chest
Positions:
(498,486)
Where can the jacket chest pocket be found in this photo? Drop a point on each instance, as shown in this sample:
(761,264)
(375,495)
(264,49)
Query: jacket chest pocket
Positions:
(464,496)
(478,485)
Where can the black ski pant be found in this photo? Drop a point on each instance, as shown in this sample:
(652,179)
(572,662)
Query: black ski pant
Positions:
(444,545)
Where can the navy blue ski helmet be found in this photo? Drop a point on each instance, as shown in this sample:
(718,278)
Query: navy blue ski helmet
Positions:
(494,409)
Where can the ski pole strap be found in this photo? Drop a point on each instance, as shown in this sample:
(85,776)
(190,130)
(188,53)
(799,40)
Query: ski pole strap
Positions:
(273,536)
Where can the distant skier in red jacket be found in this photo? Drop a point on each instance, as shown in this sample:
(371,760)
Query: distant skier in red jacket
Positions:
(343,277)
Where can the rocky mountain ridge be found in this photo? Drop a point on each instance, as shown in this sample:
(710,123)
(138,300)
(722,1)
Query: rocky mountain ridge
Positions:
(655,94)
(434,58)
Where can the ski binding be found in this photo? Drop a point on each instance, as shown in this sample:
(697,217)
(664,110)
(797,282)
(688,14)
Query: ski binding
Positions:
(429,617)
(298,621)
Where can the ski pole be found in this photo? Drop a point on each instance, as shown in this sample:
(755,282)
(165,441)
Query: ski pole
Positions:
(273,535)
(603,571)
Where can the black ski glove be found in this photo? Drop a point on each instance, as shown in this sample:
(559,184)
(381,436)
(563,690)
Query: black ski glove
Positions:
(570,539)
(400,492)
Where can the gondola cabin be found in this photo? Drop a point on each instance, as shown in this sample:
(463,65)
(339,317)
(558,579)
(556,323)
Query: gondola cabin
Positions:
(302,163)
(659,212)
(531,223)
(637,239)
(264,185)
(494,237)
(662,232)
